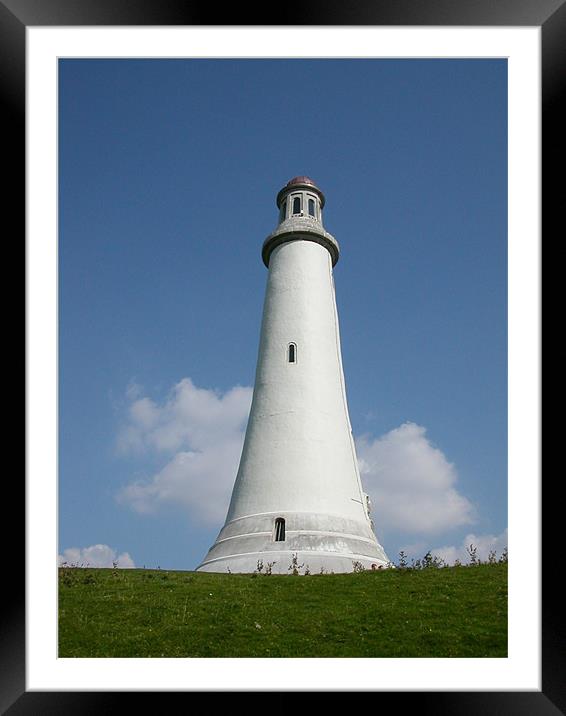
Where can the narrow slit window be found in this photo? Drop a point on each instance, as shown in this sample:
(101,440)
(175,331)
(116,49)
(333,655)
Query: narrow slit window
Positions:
(280,530)
(297,205)
(311,207)
(283,211)
(292,353)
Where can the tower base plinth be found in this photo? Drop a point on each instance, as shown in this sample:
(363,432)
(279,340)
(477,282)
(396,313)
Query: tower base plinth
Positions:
(316,541)
(307,562)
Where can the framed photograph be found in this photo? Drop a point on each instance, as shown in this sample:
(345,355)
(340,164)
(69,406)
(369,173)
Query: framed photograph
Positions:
(49,52)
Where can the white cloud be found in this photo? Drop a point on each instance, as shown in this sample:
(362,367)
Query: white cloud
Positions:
(98,555)
(411,483)
(483,543)
(191,417)
(205,431)
(133,390)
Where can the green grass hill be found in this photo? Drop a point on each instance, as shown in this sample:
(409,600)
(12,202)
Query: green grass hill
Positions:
(445,612)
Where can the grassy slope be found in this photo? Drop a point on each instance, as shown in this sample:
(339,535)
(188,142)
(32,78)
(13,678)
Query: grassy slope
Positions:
(449,612)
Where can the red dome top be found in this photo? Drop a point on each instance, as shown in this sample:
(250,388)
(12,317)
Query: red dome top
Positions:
(297,181)
(301,180)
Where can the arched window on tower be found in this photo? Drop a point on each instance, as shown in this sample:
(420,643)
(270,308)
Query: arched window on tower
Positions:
(292,353)
(311,207)
(279,533)
(283,211)
(297,205)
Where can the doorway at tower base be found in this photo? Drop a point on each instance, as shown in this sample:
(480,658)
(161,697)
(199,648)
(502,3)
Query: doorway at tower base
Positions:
(327,542)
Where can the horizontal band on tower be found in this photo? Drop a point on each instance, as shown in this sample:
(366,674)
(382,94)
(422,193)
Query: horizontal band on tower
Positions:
(295,533)
(276,239)
(297,521)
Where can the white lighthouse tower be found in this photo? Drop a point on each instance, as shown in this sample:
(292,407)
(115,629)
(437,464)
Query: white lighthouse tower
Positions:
(298,494)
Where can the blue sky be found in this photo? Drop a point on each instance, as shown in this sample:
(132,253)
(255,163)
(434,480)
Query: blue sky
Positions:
(168,172)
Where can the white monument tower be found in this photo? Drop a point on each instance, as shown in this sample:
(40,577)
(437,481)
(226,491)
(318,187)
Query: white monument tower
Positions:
(298,493)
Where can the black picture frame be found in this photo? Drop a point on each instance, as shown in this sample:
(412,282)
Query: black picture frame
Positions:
(550,16)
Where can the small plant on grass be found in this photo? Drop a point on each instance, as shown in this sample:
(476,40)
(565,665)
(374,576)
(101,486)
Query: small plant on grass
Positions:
(72,574)
(294,567)
(68,575)
(264,568)
(402,560)
(472,551)
(504,556)
(432,562)
(429,561)
(358,566)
